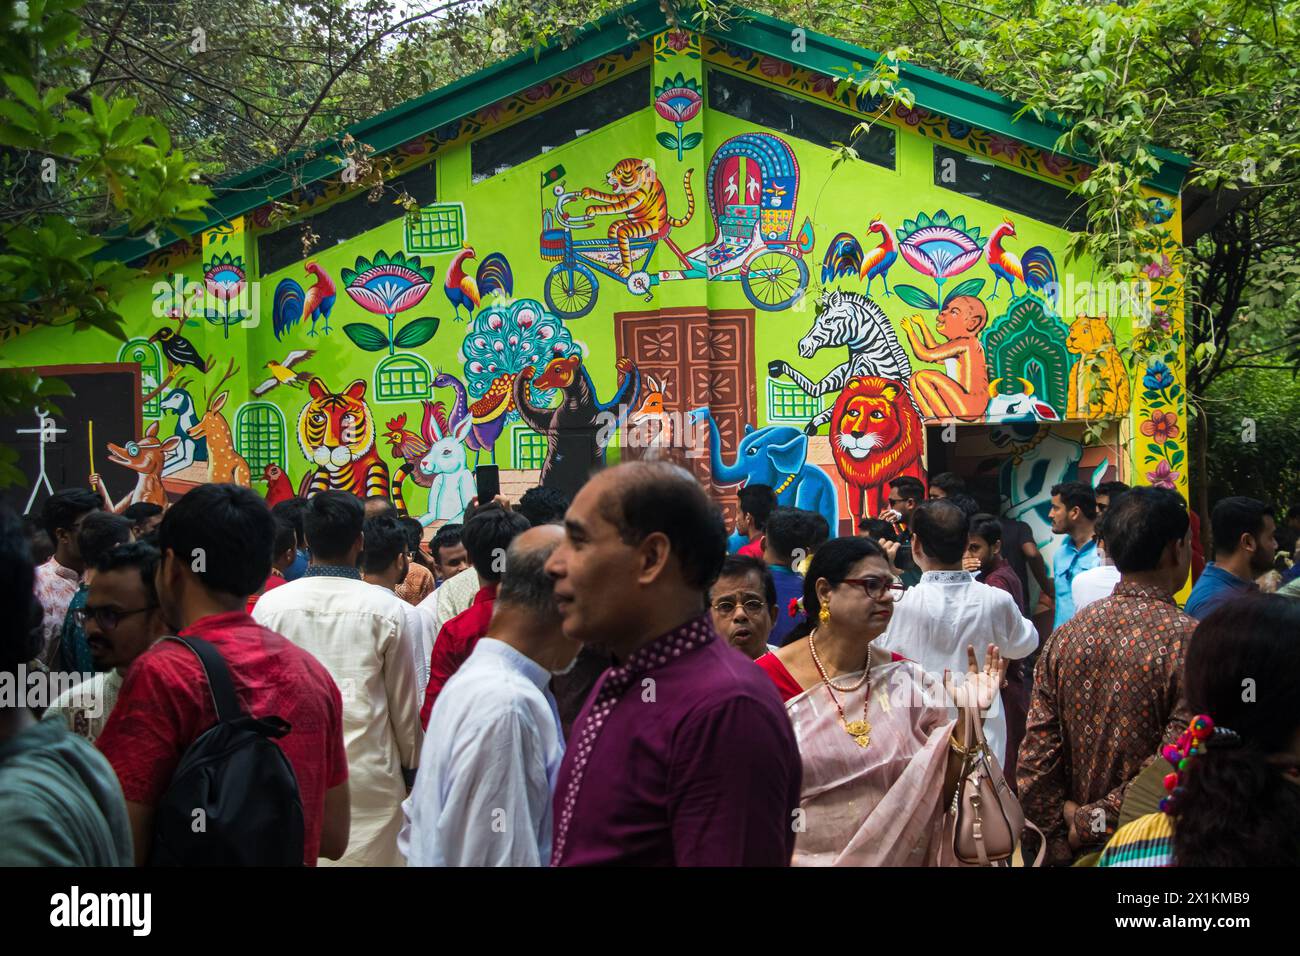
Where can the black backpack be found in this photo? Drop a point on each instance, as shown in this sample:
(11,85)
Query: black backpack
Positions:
(233,800)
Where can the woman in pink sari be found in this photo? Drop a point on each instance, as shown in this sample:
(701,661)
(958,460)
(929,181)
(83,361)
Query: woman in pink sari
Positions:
(881,756)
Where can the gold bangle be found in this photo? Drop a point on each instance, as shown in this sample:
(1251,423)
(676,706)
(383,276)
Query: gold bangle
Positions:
(965,752)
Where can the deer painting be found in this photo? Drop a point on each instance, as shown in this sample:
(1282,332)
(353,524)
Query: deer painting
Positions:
(224,463)
(145,457)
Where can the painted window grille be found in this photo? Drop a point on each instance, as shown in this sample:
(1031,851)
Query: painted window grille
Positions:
(434,229)
(259,435)
(985,180)
(787,402)
(145,354)
(401,378)
(529,449)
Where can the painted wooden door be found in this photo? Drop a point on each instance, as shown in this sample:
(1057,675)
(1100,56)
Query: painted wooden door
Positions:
(702,358)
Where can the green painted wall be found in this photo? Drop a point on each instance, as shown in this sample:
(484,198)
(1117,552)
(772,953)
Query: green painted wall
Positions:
(503,214)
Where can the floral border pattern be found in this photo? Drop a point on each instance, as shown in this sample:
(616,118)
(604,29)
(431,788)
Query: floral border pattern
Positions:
(1159,414)
(673,43)
(409,154)
(918,120)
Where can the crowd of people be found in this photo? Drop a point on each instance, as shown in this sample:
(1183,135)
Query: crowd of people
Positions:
(613,679)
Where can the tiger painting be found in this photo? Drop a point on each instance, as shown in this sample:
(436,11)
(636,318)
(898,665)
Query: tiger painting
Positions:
(337,432)
(639,195)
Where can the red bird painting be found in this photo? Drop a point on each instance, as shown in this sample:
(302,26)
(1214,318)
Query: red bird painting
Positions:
(493,275)
(277,485)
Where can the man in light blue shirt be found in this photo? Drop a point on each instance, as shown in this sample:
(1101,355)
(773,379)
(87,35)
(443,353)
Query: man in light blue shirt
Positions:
(483,795)
(1073,514)
(1245,543)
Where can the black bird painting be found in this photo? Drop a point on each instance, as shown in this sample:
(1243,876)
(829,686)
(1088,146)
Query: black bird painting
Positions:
(178,349)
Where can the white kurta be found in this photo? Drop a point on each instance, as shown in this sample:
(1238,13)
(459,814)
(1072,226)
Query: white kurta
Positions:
(417,626)
(1093,585)
(86,706)
(934,621)
(488,766)
(452,597)
(358,631)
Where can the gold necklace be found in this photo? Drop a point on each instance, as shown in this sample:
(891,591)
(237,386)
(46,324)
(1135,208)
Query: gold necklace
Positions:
(859,730)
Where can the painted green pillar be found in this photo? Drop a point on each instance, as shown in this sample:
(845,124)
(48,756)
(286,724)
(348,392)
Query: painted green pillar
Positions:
(678,99)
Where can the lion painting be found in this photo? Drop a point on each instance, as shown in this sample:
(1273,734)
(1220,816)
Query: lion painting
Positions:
(875,437)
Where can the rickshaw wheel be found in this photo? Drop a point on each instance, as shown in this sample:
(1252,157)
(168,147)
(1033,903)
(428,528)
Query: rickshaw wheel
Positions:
(571,299)
(774,280)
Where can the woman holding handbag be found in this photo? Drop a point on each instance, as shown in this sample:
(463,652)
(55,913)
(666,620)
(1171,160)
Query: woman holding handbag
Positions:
(882,758)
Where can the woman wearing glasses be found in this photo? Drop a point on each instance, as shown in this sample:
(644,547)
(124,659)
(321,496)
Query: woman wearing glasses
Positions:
(881,756)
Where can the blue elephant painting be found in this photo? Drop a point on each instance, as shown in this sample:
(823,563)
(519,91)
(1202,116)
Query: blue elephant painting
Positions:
(777,456)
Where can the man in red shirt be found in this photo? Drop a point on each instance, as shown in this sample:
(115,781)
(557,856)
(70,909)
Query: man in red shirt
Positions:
(216,550)
(283,554)
(755,504)
(486,537)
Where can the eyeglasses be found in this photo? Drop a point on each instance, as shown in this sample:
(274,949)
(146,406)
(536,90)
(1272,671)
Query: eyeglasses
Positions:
(875,588)
(751,607)
(106,617)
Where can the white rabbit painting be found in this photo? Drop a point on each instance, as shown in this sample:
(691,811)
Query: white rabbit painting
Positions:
(453,482)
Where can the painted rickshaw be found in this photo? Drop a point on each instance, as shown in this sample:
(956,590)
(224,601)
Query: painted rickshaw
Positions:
(752,183)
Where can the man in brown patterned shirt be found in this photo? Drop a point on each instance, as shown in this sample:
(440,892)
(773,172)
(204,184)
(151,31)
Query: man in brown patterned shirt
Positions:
(1108,685)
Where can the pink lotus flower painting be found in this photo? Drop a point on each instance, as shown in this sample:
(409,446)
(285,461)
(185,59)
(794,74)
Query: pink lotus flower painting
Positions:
(940,247)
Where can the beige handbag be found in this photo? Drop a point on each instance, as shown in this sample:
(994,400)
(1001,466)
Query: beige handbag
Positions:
(989,820)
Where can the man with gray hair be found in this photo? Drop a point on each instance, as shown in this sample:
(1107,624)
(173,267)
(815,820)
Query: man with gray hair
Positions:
(494,744)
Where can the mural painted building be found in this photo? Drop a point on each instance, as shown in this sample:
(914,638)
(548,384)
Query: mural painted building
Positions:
(639,249)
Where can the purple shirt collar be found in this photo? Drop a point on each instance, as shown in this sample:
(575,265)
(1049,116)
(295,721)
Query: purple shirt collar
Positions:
(613,684)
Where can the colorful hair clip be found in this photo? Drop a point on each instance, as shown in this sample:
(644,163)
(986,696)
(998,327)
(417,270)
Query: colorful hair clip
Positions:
(1191,742)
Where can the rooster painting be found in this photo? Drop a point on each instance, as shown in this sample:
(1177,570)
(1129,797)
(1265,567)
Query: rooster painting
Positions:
(291,303)
(412,448)
(493,275)
(1036,267)
(845,256)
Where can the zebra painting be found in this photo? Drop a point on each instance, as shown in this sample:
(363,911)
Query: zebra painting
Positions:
(852,320)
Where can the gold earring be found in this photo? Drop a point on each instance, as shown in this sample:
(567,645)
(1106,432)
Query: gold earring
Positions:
(824,615)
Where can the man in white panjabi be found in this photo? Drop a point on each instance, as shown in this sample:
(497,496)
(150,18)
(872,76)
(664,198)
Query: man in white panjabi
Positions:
(384,563)
(494,745)
(934,621)
(1096,582)
(358,631)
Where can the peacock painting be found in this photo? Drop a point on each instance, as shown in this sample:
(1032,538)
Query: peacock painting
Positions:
(501,342)
(493,275)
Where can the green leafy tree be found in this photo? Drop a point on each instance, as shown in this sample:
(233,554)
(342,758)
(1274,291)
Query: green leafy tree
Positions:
(1215,80)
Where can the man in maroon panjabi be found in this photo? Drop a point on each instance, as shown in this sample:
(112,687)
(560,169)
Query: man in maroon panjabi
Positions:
(683,754)
(984,554)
